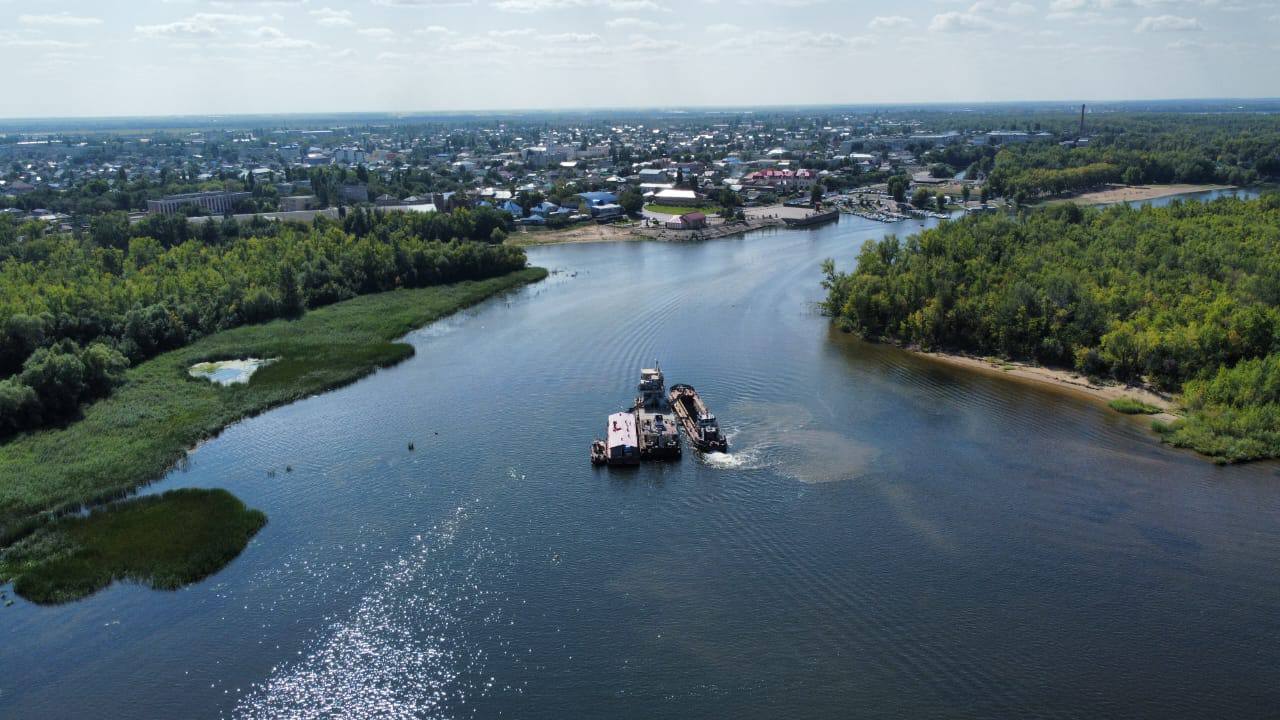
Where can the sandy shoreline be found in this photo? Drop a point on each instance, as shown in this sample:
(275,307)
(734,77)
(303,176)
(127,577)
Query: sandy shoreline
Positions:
(1067,380)
(1137,193)
(631,232)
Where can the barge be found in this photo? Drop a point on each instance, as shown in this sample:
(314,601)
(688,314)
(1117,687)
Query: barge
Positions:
(622,446)
(817,218)
(700,426)
(659,437)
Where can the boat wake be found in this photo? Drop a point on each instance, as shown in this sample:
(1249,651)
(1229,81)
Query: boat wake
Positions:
(749,458)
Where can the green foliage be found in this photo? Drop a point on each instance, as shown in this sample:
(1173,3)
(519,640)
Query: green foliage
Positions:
(165,541)
(1188,294)
(631,201)
(898,185)
(137,433)
(60,293)
(1233,414)
(1131,406)
(921,198)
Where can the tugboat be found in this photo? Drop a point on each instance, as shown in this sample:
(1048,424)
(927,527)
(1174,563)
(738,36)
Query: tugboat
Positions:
(659,438)
(700,426)
(599,452)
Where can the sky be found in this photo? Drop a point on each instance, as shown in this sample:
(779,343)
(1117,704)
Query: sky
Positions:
(199,57)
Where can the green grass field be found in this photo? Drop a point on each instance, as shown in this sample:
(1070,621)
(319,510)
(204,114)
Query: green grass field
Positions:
(707,210)
(165,541)
(148,424)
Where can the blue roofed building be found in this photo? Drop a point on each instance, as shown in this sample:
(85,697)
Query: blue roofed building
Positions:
(596,199)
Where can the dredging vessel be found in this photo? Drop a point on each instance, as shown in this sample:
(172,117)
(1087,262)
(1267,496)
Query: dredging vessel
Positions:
(700,426)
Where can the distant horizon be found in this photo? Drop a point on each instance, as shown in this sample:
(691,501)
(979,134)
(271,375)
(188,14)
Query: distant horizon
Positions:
(160,58)
(651,109)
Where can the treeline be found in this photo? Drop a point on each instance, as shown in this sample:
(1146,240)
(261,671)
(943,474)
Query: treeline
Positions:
(95,195)
(74,314)
(1186,297)
(1172,149)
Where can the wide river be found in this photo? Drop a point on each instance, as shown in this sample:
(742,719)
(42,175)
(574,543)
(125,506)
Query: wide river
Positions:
(889,537)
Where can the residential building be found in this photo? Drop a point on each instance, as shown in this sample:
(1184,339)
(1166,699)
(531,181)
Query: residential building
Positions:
(214,202)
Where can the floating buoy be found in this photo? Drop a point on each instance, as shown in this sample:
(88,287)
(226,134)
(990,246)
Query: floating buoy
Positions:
(288,468)
(411,447)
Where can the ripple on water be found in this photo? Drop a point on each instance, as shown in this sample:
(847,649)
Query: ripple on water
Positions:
(403,651)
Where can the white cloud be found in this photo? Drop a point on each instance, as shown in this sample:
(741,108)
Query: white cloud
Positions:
(62,18)
(960,22)
(198,25)
(333,18)
(533,6)
(1169,23)
(890,22)
(380,34)
(1015,8)
(632,23)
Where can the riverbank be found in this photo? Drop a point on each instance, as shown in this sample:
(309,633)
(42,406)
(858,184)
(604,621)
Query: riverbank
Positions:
(1136,193)
(1066,380)
(148,424)
(632,232)
(585,233)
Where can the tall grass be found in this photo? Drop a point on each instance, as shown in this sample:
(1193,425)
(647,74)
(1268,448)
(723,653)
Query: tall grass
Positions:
(148,424)
(165,541)
(1133,406)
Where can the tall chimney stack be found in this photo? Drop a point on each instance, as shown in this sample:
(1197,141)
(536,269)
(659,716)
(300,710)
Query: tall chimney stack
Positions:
(1081,121)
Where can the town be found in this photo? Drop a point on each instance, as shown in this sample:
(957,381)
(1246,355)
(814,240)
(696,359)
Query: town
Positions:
(660,171)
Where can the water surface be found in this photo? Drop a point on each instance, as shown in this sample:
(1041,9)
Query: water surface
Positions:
(890,537)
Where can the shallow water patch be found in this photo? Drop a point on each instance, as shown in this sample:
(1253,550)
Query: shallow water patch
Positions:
(229,372)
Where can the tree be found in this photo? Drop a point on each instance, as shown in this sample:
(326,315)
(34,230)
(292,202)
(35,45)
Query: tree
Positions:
(631,201)
(966,192)
(291,301)
(898,187)
(56,375)
(21,335)
(816,193)
(104,369)
(920,198)
(110,230)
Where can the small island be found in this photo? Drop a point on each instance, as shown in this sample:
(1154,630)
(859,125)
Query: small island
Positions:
(163,541)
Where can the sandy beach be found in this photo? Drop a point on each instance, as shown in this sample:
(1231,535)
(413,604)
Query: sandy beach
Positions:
(1067,380)
(1137,193)
(629,232)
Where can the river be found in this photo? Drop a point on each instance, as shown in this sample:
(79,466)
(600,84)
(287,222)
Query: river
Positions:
(890,537)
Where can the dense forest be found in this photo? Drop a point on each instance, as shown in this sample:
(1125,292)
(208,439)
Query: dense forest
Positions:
(1186,297)
(1236,150)
(76,310)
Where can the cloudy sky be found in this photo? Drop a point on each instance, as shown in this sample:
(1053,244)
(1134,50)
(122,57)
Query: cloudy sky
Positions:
(155,57)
